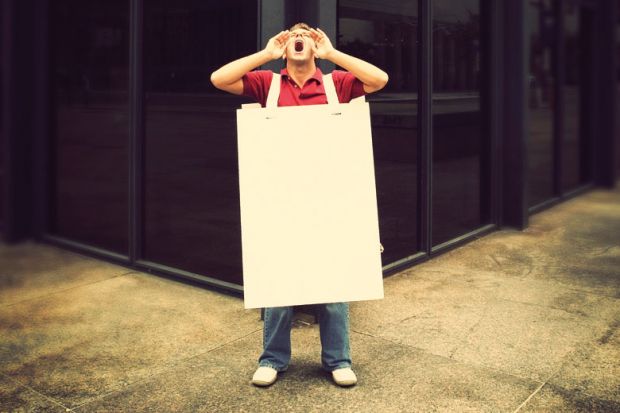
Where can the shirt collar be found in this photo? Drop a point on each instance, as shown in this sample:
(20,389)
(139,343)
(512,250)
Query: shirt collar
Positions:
(317,76)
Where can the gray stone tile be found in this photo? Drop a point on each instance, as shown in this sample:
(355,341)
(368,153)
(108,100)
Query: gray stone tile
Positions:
(590,278)
(524,340)
(577,246)
(594,368)
(434,314)
(30,270)
(392,378)
(17,398)
(509,253)
(558,400)
(546,293)
(592,268)
(93,339)
(403,295)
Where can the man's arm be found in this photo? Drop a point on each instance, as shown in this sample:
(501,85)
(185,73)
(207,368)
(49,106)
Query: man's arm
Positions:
(228,77)
(370,75)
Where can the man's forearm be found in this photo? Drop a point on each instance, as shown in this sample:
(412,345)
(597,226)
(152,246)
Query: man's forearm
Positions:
(233,71)
(370,75)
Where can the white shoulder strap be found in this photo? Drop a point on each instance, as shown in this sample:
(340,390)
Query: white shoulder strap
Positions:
(330,90)
(274,91)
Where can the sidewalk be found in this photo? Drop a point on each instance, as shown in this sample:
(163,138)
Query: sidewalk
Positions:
(515,321)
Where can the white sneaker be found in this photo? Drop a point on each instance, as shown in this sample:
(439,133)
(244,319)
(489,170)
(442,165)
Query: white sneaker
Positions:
(344,377)
(264,376)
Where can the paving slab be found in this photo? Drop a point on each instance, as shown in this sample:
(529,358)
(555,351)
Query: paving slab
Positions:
(436,312)
(15,397)
(594,368)
(508,252)
(576,244)
(524,340)
(433,313)
(90,340)
(392,378)
(541,292)
(558,400)
(402,293)
(30,270)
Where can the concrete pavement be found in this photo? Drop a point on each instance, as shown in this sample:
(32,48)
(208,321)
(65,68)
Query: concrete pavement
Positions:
(517,321)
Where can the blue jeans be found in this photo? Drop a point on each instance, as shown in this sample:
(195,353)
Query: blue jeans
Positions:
(334,328)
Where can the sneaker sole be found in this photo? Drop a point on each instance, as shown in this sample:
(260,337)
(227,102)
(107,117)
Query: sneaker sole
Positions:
(346,383)
(261,383)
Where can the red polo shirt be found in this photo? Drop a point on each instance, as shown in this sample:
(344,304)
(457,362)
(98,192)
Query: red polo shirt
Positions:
(256,85)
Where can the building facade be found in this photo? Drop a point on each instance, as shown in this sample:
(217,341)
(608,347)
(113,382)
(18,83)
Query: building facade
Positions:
(114,143)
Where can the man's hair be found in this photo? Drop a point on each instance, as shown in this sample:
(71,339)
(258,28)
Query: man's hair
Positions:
(299,25)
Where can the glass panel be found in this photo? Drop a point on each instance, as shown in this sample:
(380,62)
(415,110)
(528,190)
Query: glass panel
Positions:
(90,118)
(191,210)
(385,34)
(618,91)
(541,26)
(3,36)
(574,140)
(459,200)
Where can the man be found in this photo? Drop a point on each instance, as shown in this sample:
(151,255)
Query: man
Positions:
(302,84)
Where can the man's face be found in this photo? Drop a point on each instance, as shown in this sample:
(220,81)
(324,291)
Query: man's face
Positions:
(300,45)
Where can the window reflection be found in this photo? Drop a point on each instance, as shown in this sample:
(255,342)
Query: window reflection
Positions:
(575,145)
(458,154)
(90,117)
(618,94)
(385,34)
(541,26)
(2,144)
(570,138)
(191,210)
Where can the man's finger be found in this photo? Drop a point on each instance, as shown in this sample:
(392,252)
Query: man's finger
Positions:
(315,35)
(281,35)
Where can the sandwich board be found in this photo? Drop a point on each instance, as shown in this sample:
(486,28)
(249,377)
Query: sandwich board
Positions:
(309,221)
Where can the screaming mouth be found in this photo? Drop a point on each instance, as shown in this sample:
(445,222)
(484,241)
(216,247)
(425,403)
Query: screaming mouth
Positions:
(299,45)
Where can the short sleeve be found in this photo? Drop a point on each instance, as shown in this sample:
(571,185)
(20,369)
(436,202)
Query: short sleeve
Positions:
(256,85)
(347,86)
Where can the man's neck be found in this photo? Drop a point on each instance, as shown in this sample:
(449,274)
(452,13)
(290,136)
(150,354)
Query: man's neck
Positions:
(301,72)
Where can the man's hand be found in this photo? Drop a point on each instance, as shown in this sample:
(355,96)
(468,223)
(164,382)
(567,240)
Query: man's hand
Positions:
(370,75)
(276,46)
(229,77)
(322,45)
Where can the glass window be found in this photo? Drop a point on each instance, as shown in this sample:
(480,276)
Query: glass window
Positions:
(541,28)
(191,184)
(91,122)
(3,35)
(460,202)
(385,33)
(575,139)
(618,91)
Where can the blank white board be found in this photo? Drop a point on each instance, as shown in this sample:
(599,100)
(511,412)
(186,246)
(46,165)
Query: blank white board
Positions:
(309,222)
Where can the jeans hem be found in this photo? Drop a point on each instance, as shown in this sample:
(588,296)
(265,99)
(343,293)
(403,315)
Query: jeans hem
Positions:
(278,369)
(339,366)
